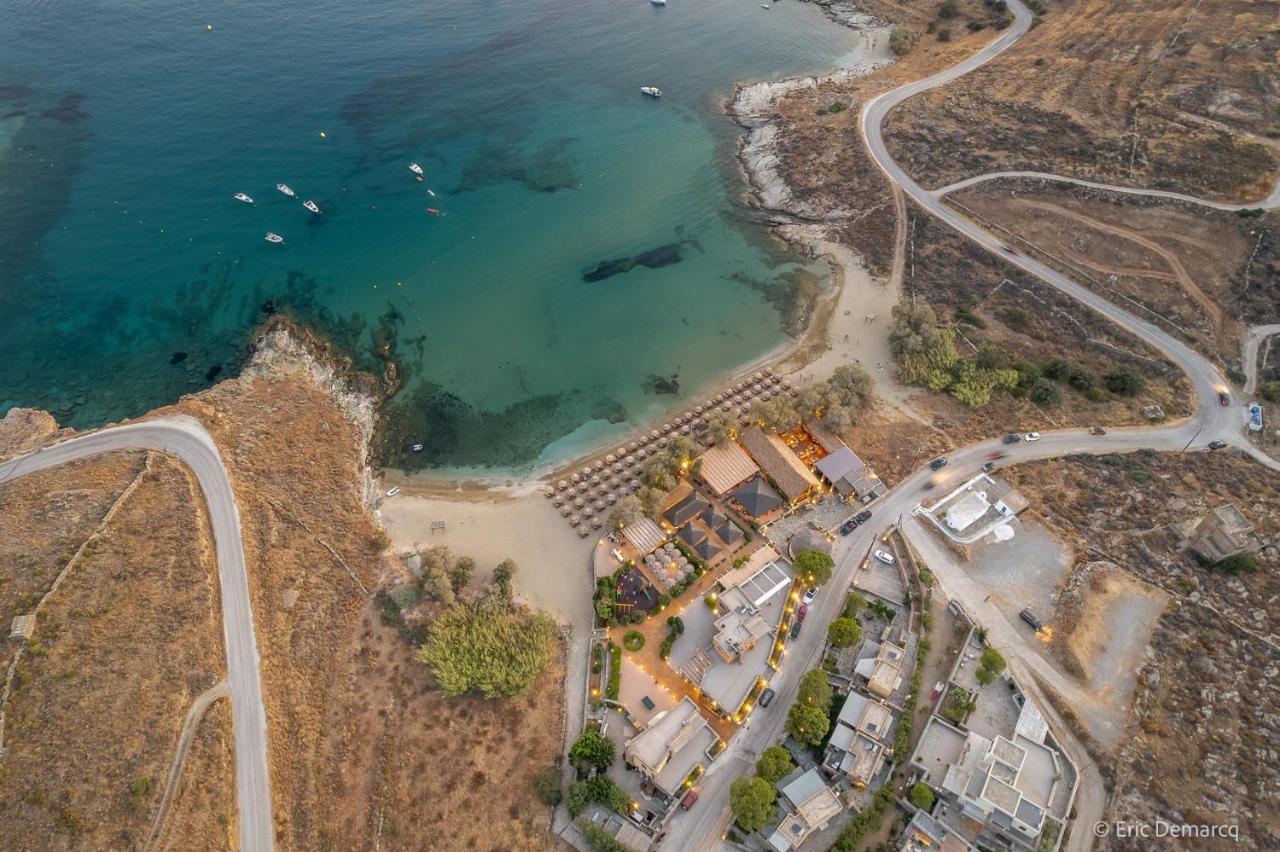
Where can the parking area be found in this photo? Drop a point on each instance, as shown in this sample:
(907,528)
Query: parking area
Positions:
(1022,572)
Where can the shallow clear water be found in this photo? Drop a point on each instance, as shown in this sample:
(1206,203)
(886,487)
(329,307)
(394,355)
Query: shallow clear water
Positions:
(129,275)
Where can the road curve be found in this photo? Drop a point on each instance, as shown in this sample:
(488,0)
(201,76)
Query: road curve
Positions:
(187,439)
(1271,202)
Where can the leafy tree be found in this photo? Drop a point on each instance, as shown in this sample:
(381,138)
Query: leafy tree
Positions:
(598,789)
(808,723)
(901,40)
(774,763)
(993,660)
(626,512)
(604,610)
(461,573)
(751,800)
(844,633)
(502,576)
(777,414)
(592,749)
(1270,391)
(1044,392)
(915,330)
(984,676)
(437,557)
(546,784)
(488,645)
(599,838)
(721,429)
(1059,370)
(815,566)
(815,689)
(921,796)
(948,10)
(1081,379)
(1124,381)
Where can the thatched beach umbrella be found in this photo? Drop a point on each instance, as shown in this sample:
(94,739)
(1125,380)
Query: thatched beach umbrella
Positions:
(575,477)
(562,484)
(583,533)
(738,387)
(718,397)
(574,521)
(579,502)
(599,505)
(698,409)
(588,512)
(633,446)
(558,501)
(767,395)
(610,459)
(595,479)
(758,376)
(612,497)
(598,523)
(635,483)
(629,460)
(685,429)
(663,442)
(565,510)
(617,467)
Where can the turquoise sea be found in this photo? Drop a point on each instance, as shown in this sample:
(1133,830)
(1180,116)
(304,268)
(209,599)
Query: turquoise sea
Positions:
(129,275)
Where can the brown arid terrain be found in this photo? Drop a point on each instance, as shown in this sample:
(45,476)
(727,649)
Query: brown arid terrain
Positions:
(1167,95)
(122,647)
(364,750)
(1204,274)
(1200,746)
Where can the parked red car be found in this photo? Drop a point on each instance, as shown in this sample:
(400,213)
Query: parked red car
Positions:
(802,612)
(688,800)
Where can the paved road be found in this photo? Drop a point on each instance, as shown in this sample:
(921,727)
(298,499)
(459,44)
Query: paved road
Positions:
(1271,202)
(185,438)
(703,826)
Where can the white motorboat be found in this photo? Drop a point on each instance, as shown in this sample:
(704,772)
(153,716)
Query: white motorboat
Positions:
(431,193)
(284,187)
(311,205)
(651,91)
(274,238)
(240,196)
(417,448)
(416,169)
(658,2)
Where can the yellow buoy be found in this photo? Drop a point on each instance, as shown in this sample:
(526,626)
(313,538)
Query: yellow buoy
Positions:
(321,134)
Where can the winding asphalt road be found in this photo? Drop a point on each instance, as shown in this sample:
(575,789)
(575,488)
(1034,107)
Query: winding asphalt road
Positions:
(187,439)
(703,826)
(1271,202)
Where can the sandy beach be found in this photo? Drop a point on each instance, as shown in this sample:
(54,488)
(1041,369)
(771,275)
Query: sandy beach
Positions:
(554,563)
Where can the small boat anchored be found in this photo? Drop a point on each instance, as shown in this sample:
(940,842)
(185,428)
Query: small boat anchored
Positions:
(311,205)
(416,169)
(651,91)
(284,187)
(434,211)
(658,2)
(240,196)
(431,192)
(274,237)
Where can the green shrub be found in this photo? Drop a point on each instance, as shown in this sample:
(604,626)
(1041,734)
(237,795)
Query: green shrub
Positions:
(592,750)
(1039,61)
(633,640)
(615,673)
(1124,381)
(599,838)
(944,34)
(1140,475)
(546,784)
(600,790)
(901,40)
(837,106)
(854,604)
(865,822)
(1239,563)
(984,676)
(406,596)
(1044,392)
(976,26)
(1270,391)
(948,10)
(993,660)
(921,796)
(490,645)
(1081,379)
(1095,395)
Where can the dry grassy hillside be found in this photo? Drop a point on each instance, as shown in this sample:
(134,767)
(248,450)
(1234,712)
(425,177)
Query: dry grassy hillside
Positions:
(1206,716)
(1173,94)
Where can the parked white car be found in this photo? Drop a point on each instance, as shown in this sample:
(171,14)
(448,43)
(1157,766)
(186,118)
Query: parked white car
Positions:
(617,554)
(886,558)
(810,595)
(1032,436)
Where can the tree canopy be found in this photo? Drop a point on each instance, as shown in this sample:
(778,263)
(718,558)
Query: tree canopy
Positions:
(808,723)
(774,763)
(488,645)
(921,796)
(844,633)
(926,354)
(593,749)
(751,800)
(993,660)
(814,566)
